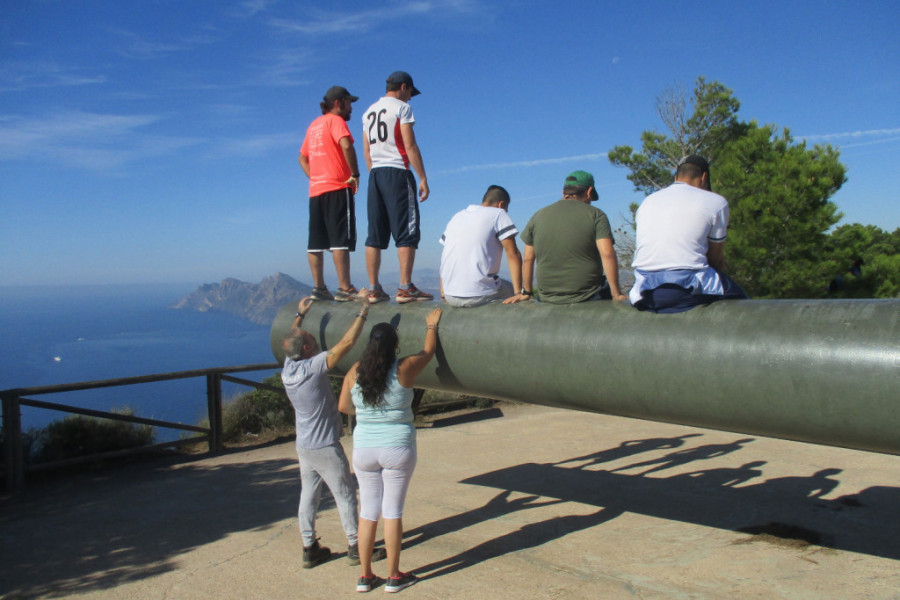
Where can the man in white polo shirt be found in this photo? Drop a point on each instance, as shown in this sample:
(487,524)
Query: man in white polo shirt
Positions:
(474,242)
(679,257)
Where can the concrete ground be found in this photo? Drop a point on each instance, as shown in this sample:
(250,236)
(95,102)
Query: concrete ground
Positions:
(511,502)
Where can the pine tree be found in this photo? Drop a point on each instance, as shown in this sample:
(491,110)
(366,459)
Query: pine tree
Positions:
(778,190)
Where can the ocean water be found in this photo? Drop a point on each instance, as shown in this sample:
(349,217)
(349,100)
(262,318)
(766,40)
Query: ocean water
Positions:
(54,335)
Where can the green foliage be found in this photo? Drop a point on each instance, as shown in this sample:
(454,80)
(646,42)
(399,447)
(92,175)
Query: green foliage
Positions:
(778,190)
(650,169)
(78,435)
(778,197)
(876,252)
(712,123)
(336,384)
(256,412)
(714,120)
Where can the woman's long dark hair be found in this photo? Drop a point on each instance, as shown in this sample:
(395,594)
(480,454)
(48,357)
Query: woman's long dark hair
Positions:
(376,362)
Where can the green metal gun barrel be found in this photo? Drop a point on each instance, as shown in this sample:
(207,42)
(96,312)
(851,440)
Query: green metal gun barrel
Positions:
(820,371)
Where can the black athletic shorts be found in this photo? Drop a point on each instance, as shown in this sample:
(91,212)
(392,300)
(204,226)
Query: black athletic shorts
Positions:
(393,208)
(332,221)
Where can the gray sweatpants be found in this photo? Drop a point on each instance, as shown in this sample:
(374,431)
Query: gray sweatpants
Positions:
(328,464)
(506,290)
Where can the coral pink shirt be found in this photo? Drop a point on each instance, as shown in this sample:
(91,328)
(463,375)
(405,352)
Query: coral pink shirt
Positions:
(328,169)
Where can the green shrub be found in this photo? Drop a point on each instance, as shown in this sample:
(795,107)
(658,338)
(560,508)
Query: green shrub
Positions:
(256,412)
(78,435)
(337,382)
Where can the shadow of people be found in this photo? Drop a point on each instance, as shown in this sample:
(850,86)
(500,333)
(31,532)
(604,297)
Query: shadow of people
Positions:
(444,372)
(527,536)
(723,477)
(323,327)
(629,448)
(497,506)
(689,455)
(867,522)
(814,486)
(878,497)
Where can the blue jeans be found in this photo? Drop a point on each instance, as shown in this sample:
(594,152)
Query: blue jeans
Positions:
(673,297)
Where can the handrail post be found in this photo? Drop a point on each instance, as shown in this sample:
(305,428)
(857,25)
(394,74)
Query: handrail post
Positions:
(214,406)
(12,444)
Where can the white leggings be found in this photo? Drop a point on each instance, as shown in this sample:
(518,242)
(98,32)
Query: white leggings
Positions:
(383,475)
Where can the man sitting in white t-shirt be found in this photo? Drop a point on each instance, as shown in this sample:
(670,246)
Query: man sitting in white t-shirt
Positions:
(474,242)
(680,251)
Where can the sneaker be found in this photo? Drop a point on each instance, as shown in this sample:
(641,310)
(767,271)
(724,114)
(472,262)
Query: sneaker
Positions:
(413,294)
(321,294)
(343,295)
(365,584)
(376,296)
(395,584)
(315,555)
(353,554)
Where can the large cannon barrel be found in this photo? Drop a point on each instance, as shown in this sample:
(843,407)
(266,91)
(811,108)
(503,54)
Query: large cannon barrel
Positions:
(820,371)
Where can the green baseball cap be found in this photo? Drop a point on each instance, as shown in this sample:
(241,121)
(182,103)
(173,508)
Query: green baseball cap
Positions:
(578,181)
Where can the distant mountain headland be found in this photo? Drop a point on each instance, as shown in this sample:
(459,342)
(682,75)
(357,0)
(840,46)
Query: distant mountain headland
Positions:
(257,302)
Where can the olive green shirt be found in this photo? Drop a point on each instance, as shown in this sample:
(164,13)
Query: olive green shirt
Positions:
(564,236)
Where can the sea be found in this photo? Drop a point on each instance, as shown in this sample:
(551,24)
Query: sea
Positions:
(67,334)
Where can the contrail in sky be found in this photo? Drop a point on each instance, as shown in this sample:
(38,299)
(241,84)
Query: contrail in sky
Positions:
(527,163)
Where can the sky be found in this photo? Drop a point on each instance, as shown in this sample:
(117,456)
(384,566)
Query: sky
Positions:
(157,141)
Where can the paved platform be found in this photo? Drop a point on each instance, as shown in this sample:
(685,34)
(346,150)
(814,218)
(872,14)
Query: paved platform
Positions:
(513,502)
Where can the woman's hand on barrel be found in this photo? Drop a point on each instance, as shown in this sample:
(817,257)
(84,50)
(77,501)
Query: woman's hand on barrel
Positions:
(433,318)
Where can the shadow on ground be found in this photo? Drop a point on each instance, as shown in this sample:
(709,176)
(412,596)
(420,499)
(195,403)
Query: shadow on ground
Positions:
(467,417)
(88,532)
(737,498)
(97,531)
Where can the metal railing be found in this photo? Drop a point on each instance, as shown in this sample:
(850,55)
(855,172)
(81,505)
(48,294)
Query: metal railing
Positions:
(14,399)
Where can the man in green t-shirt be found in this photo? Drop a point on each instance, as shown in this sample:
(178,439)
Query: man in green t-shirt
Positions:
(573,246)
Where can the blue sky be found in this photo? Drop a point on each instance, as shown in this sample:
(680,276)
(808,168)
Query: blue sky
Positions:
(156,141)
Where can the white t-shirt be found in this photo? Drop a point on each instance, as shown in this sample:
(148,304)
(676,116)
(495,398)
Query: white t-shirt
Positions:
(675,226)
(472,251)
(381,127)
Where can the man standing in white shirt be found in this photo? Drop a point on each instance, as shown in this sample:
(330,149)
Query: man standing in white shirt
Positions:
(390,149)
(679,257)
(474,242)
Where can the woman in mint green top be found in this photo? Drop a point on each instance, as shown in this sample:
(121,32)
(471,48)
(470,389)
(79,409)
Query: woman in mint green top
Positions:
(379,390)
(388,424)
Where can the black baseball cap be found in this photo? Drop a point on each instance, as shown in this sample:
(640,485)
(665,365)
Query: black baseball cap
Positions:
(338,93)
(403,77)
